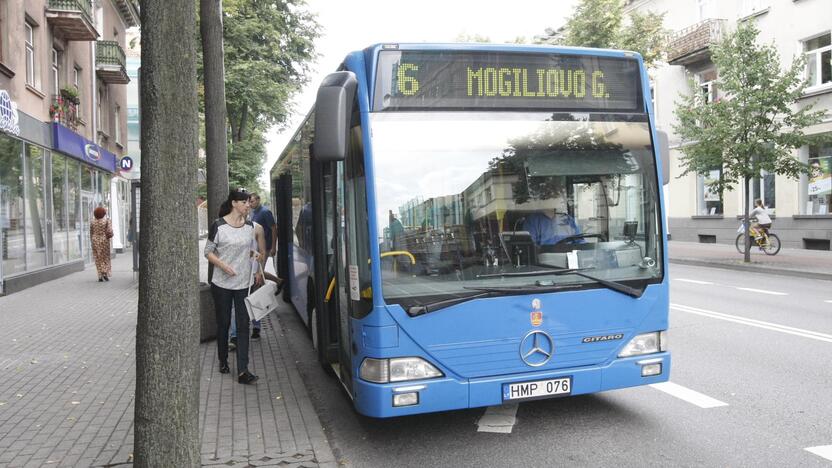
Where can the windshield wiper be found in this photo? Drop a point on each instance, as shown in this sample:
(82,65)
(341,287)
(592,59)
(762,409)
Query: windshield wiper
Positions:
(420,309)
(614,285)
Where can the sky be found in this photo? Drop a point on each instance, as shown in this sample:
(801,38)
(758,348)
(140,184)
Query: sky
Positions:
(353,25)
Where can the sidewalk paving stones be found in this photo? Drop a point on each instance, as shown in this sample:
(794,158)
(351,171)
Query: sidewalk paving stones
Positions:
(803,263)
(67,377)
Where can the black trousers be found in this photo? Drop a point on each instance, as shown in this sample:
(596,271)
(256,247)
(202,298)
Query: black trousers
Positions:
(223,298)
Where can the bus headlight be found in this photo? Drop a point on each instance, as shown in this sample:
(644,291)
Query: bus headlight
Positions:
(646,343)
(397,370)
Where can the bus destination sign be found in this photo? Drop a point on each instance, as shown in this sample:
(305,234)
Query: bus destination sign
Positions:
(423,80)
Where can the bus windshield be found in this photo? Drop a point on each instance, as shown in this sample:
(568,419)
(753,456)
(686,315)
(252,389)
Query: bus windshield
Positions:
(472,200)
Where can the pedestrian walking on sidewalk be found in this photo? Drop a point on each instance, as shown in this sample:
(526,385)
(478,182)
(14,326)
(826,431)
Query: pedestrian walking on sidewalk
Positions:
(101,231)
(229,254)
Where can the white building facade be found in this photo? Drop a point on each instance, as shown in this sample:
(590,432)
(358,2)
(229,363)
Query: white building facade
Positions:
(801,208)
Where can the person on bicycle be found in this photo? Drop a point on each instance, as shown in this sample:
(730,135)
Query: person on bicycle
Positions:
(763,223)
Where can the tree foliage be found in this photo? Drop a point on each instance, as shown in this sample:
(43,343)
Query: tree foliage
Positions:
(755,126)
(602,24)
(269,45)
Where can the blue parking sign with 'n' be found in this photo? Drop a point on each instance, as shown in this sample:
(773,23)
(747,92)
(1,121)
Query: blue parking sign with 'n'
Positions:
(126,163)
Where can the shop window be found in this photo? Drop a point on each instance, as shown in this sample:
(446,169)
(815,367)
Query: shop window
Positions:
(709,199)
(75,220)
(819,188)
(763,188)
(36,234)
(12,196)
(60,220)
(818,51)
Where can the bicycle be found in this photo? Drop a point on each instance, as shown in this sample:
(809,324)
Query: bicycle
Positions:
(768,242)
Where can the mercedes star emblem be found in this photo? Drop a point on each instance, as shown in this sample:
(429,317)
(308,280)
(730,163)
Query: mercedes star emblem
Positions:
(536,348)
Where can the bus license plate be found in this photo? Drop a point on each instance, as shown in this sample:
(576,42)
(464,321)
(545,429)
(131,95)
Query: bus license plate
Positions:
(538,389)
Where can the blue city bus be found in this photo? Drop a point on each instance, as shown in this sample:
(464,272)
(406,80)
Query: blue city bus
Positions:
(466,225)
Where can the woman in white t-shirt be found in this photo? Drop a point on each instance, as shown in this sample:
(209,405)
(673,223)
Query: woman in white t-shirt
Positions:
(230,252)
(761,213)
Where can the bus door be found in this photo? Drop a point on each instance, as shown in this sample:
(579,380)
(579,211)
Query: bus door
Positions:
(283,212)
(339,299)
(324,327)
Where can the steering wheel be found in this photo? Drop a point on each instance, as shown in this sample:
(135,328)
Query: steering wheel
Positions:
(600,237)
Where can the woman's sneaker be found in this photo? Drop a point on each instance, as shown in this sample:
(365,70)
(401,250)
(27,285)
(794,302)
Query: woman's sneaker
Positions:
(247,378)
(232,343)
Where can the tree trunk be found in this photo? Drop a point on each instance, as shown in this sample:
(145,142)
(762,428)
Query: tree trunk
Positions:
(216,139)
(167,332)
(747,256)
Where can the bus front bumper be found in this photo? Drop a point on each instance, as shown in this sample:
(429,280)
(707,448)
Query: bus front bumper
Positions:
(425,396)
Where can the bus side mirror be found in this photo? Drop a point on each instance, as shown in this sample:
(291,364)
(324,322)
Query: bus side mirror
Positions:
(663,147)
(333,110)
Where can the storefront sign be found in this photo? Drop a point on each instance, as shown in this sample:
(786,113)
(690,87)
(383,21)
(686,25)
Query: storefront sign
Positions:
(8,114)
(68,142)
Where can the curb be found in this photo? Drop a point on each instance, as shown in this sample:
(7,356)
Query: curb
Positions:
(320,444)
(753,269)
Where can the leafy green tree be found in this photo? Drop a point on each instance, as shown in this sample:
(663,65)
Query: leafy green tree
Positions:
(246,162)
(602,24)
(755,126)
(269,45)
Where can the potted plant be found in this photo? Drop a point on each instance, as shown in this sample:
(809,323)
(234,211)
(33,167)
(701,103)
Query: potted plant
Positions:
(56,110)
(70,93)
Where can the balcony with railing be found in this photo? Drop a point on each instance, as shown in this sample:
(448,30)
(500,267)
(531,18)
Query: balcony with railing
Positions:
(64,110)
(110,62)
(691,45)
(71,19)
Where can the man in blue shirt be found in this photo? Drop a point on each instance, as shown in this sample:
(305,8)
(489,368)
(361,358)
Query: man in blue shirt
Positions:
(551,226)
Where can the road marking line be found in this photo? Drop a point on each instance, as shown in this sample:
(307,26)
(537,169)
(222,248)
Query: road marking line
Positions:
(692,281)
(499,419)
(688,395)
(763,291)
(824,451)
(754,323)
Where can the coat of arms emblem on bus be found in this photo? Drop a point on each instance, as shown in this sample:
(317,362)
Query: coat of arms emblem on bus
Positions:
(537,315)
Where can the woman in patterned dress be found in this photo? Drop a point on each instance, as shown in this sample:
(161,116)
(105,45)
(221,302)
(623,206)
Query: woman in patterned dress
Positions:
(100,233)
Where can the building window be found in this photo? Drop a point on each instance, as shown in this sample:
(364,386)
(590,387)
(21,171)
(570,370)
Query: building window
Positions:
(818,52)
(76,81)
(707,85)
(117,124)
(98,110)
(705,10)
(709,199)
(819,192)
(30,55)
(653,99)
(56,71)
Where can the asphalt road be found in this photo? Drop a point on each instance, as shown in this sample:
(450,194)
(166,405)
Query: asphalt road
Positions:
(751,385)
